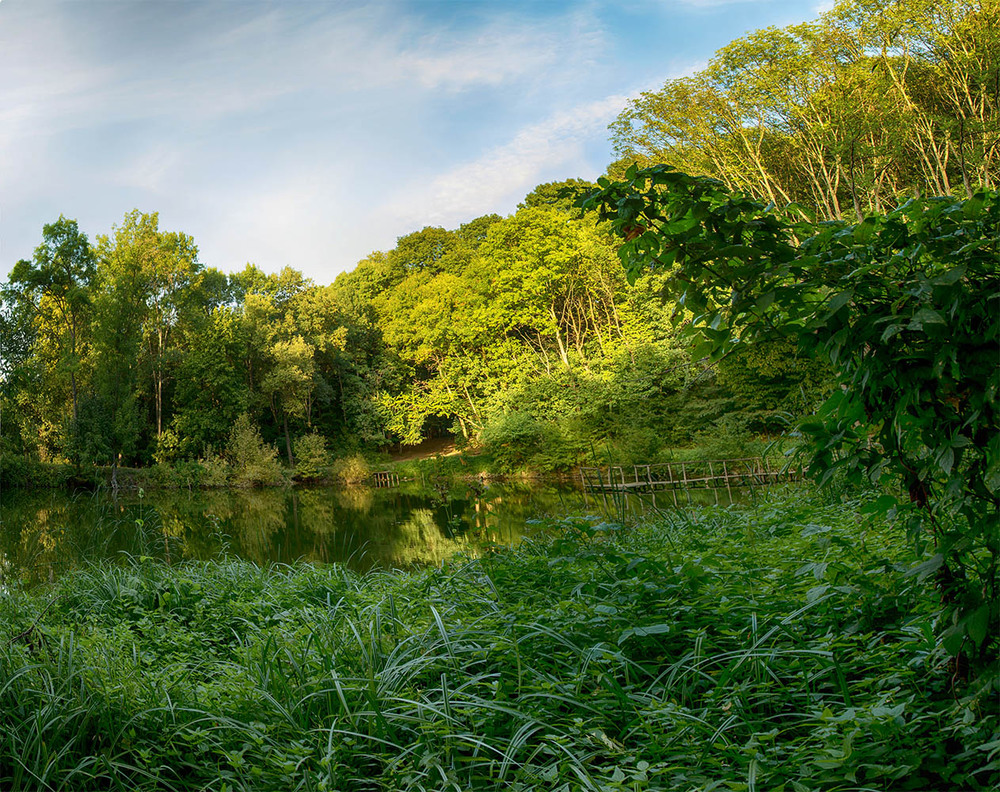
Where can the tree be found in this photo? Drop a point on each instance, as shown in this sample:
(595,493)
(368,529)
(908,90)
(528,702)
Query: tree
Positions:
(289,383)
(905,309)
(434,322)
(146,276)
(432,249)
(564,195)
(553,283)
(841,115)
(211,388)
(58,281)
(17,338)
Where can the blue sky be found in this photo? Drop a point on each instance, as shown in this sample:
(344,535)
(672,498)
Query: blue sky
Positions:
(309,133)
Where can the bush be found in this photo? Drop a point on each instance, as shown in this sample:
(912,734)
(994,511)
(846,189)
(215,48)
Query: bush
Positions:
(351,470)
(729,438)
(215,471)
(17,471)
(512,439)
(311,458)
(168,447)
(253,461)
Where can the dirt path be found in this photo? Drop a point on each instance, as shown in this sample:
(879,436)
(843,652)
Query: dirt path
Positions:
(438,446)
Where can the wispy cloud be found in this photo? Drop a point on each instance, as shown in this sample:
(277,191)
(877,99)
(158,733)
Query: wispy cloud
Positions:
(309,133)
(711,3)
(508,172)
(362,49)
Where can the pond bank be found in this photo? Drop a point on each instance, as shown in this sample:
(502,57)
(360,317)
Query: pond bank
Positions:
(44,533)
(708,648)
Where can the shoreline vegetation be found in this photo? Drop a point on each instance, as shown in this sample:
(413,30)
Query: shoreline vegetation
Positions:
(354,470)
(799,241)
(776,646)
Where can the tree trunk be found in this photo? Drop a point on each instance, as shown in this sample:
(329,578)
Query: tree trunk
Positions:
(562,347)
(72,385)
(288,439)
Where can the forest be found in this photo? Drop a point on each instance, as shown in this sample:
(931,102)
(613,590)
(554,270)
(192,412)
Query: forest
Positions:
(134,351)
(519,334)
(513,333)
(800,241)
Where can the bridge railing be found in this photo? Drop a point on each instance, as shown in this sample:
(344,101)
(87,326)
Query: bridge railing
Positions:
(694,474)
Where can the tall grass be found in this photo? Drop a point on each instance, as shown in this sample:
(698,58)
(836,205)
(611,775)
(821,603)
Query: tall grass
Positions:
(777,647)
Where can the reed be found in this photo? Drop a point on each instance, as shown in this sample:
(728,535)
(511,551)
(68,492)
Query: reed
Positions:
(777,646)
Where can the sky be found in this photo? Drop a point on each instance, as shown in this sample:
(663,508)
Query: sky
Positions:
(309,133)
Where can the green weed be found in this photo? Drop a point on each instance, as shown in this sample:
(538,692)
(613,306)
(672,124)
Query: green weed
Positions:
(777,647)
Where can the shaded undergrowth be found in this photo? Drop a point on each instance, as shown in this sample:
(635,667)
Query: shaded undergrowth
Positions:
(779,647)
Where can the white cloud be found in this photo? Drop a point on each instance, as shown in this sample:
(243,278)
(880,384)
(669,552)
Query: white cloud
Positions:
(153,170)
(509,49)
(212,75)
(508,172)
(712,3)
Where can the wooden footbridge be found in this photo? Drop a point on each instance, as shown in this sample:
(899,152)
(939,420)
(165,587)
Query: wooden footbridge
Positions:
(384,478)
(699,474)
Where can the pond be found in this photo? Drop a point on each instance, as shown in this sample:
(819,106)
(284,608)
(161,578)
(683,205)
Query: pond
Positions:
(46,532)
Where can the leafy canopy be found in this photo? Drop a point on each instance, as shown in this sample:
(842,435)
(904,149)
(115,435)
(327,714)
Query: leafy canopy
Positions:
(906,308)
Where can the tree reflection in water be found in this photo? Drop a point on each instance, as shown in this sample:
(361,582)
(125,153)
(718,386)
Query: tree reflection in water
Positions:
(43,534)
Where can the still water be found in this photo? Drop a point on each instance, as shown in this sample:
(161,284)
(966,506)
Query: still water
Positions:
(44,533)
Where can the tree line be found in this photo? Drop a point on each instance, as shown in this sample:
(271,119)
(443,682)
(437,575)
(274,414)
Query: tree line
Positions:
(520,333)
(841,116)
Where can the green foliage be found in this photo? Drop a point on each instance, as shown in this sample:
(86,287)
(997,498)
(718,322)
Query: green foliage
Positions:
(353,469)
(19,471)
(564,195)
(772,380)
(512,439)
(431,250)
(781,644)
(311,458)
(100,431)
(905,309)
(253,461)
(213,471)
(444,334)
(840,115)
(54,289)
(210,392)
(730,437)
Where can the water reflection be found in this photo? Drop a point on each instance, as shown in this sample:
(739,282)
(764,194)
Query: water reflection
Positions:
(44,533)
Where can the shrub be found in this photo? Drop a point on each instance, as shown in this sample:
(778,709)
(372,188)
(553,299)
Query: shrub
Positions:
(168,447)
(253,461)
(511,439)
(351,470)
(311,458)
(729,438)
(215,471)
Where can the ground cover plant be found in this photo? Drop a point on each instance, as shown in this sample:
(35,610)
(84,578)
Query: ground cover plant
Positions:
(778,647)
(903,307)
